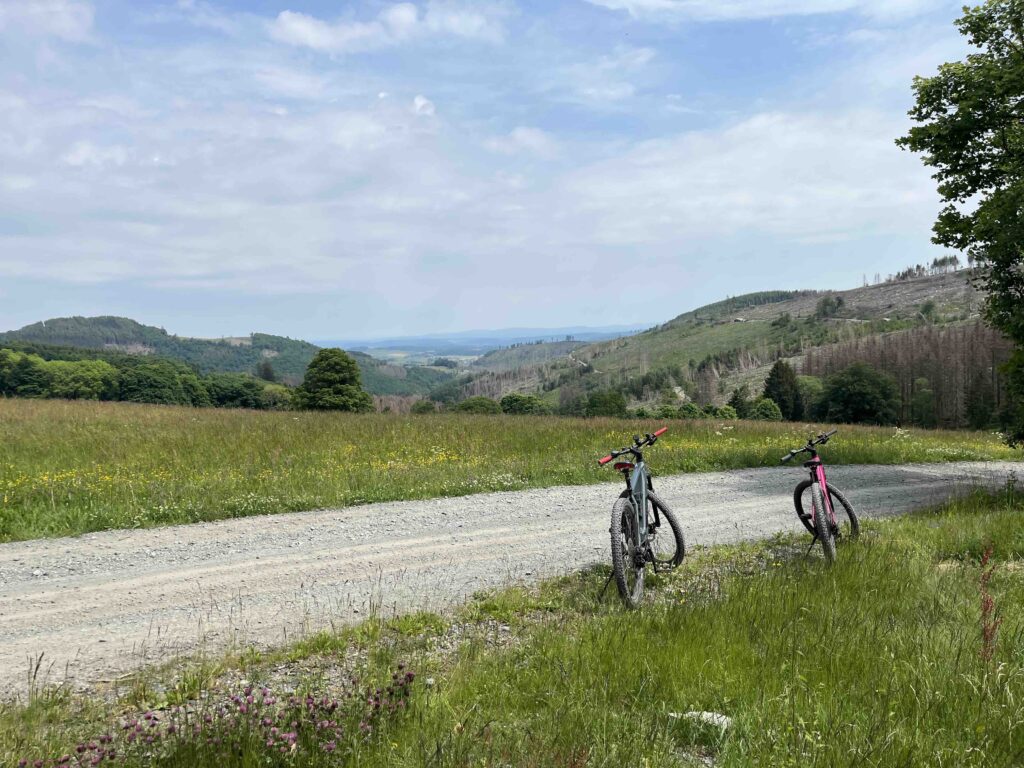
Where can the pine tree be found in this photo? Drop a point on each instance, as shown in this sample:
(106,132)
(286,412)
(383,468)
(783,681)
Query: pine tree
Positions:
(782,387)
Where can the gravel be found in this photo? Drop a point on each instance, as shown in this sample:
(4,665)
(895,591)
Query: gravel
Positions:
(100,605)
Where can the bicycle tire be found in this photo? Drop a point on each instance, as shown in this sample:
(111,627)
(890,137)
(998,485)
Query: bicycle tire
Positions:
(822,524)
(848,531)
(628,577)
(673,556)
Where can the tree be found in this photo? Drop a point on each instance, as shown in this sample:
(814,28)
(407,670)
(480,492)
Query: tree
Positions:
(766,409)
(922,404)
(782,387)
(969,129)
(265,370)
(234,390)
(606,403)
(740,402)
(478,404)
(332,383)
(859,395)
(828,306)
(811,388)
(519,404)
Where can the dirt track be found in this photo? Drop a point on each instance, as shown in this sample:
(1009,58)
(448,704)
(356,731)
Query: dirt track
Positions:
(101,604)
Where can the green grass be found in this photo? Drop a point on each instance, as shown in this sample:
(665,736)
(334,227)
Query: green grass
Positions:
(72,467)
(877,661)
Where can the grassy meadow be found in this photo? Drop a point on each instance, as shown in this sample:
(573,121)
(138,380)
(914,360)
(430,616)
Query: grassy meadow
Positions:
(68,467)
(908,652)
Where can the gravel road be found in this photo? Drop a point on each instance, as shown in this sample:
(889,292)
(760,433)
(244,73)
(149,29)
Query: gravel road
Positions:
(102,604)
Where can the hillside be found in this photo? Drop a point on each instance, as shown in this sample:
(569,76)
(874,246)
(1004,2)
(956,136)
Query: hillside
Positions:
(702,351)
(289,357)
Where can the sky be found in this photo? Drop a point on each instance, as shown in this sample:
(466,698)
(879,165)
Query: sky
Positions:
(357,169)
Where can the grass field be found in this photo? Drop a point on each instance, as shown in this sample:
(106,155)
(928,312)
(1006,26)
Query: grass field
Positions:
(908,652)
(72,467)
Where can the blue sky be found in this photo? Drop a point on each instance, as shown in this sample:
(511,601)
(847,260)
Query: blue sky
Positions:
(344,169)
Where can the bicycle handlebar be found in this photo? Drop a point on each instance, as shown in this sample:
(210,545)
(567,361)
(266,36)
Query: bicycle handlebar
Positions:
(648,439)
(819,440)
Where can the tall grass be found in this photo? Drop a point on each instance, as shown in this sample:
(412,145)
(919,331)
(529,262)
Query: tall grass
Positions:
(72,467)
(880,660)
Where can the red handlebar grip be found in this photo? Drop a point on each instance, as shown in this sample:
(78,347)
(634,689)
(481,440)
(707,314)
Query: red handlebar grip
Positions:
(605,460)
(661,432)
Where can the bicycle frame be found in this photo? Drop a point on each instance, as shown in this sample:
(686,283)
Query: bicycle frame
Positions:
(639,483)
(817,468)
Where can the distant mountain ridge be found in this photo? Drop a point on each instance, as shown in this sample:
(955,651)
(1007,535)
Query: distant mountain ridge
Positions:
(289,357)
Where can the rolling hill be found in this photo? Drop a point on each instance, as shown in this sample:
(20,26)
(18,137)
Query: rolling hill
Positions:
(289,357)
(702,352)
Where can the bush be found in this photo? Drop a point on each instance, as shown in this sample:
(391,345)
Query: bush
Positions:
(766,409)
(332,383)
(478,404)
(727,412)
(518,404)
(667,412)
(606,403)
(234,390)
(423,406)
(690,410)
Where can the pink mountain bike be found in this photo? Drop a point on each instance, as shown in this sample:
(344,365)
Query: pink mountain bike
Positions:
(823,523)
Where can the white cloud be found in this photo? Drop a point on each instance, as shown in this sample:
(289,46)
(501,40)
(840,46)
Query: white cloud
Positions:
(606,80)
(524,139)
(421,105)
(722,10)
(85,153)
(69,20)
(394,24)
(797,176)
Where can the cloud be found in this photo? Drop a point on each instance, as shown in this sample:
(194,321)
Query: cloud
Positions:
(393,25)
(605,80)
(524,139)
(69,20)
(726,10)
(799,176)
(421,105)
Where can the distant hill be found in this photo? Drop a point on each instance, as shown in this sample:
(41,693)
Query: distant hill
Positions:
(289,357)
(701,351)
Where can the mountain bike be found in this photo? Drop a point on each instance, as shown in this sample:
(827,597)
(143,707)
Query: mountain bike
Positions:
(822,522)
(639,531)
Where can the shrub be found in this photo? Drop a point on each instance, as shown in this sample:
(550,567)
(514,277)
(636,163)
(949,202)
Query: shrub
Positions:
(690,410)
(668,412)
(423,406)
(766,409)
(740,401)
(606,403)
(479,404)
(727,412)
(519,404)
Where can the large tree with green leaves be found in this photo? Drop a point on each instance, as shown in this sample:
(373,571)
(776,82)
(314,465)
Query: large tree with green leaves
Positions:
(332,383)
(970,128)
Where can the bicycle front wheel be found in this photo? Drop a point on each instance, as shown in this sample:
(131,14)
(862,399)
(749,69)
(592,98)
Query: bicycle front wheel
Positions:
(823,524)
(667,543)
(847,522)
(627,555)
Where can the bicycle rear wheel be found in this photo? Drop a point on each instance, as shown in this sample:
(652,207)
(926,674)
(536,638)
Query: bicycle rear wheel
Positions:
(667,543)
(627,557)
